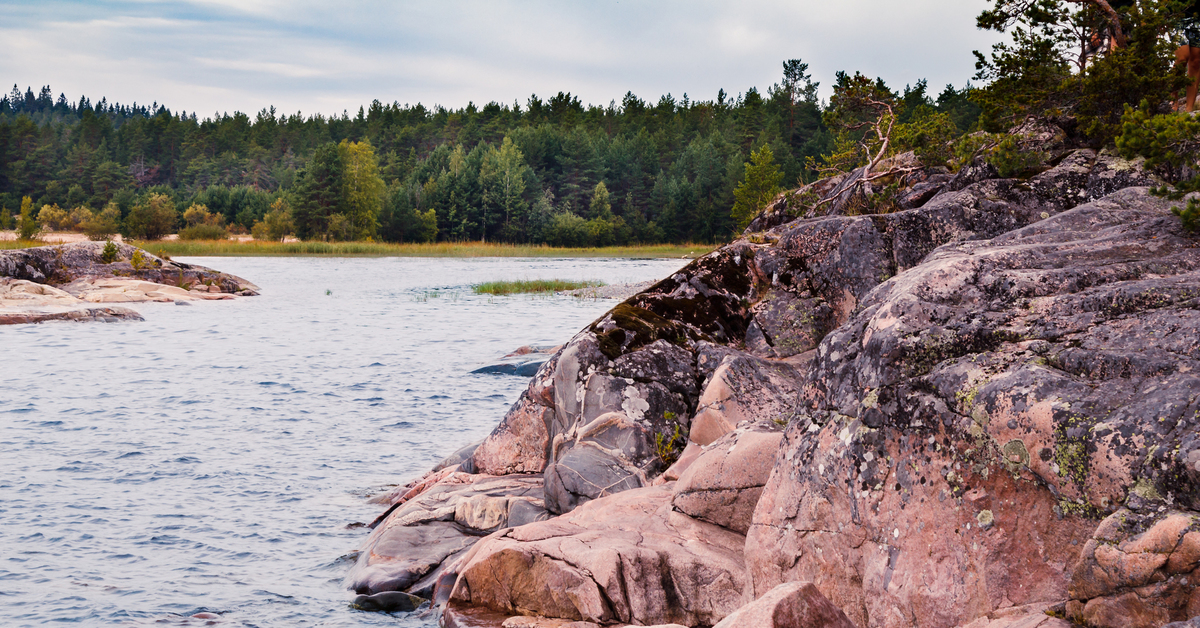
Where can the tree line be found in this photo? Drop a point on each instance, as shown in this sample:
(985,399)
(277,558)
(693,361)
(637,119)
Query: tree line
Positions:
(549,171)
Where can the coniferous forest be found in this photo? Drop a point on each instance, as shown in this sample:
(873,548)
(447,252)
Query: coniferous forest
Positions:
(552,171)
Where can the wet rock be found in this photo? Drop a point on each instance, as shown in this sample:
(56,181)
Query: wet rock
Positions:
(395,558)
(723,485)
(464,458)
(420,533)
(387,602)
(626,558)
(788,606)
(958,435)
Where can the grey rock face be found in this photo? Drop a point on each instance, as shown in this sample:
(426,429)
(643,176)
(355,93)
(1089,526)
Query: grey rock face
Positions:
(1005,392)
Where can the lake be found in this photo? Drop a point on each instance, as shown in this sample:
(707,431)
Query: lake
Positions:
(213,457)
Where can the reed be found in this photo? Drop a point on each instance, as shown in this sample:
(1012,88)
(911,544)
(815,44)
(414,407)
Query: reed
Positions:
(524,286)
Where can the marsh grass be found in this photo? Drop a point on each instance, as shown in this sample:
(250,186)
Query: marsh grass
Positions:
(229,248)
(526,286)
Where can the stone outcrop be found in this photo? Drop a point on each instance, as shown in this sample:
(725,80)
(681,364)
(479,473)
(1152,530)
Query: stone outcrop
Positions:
(627,558)
(62,282)
(980,410)
(1001,395)
(787,606)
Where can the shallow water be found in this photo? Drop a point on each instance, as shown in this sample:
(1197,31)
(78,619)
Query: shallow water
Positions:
(212,457)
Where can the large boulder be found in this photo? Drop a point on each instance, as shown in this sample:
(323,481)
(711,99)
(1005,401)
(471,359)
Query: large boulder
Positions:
(723,484)
(423,530)
(790,605)
(961,435)
(626,558)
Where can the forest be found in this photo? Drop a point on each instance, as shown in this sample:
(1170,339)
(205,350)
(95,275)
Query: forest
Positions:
(555,171)
(548,171)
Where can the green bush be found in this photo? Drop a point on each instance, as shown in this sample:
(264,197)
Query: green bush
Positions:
(27,226)
(1010,161)
(203,232)
(104,224)
(54,218)
(1172,139)
(277,224)
(1190,215)
(109,255)
(140,260)
(929,134)
(152,219)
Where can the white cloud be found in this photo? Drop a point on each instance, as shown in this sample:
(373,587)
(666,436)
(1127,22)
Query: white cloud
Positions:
(225,55)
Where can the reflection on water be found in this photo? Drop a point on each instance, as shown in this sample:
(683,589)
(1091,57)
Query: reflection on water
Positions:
(210,459)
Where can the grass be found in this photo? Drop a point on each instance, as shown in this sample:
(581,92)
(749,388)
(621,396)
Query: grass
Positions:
(523,286)
(227,248)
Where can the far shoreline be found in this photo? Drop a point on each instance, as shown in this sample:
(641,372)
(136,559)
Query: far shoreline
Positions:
(254,248)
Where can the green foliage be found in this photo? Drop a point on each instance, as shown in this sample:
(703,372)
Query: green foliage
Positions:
(759,187)
(202,224)
(1144,70)
(109,254)
(669,447)
(967,147)
(929,133)
(140,261)
(1171,139)
(1010,160)
(54,218)
(103,224)
(275,225)
(523,286)
(27,227)
(362,189)
(1059,61)
(153,218)
(6,219)
(1189,215)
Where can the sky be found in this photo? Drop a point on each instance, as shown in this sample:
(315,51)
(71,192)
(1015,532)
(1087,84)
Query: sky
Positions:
(217,56)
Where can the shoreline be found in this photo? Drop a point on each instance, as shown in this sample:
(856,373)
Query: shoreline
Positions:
(254,248)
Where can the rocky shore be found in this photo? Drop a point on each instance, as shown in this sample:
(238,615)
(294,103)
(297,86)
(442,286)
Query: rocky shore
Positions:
(980,410)
(72,282)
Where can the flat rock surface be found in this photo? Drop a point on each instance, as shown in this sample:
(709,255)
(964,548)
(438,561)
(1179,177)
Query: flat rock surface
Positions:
(62,282)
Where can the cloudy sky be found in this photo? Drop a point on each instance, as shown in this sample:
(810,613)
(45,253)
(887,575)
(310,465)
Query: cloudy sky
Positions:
(214,56)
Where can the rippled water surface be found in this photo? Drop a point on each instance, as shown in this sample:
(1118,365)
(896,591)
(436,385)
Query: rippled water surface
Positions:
(212,457)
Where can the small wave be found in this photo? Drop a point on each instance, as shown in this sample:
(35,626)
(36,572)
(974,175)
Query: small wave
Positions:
(130,454)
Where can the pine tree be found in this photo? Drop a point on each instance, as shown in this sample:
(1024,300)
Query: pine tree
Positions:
(759,187)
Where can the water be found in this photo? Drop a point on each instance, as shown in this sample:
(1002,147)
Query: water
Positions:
(212,457)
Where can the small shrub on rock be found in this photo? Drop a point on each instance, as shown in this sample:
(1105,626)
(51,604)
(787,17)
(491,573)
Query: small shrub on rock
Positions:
(109,255)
